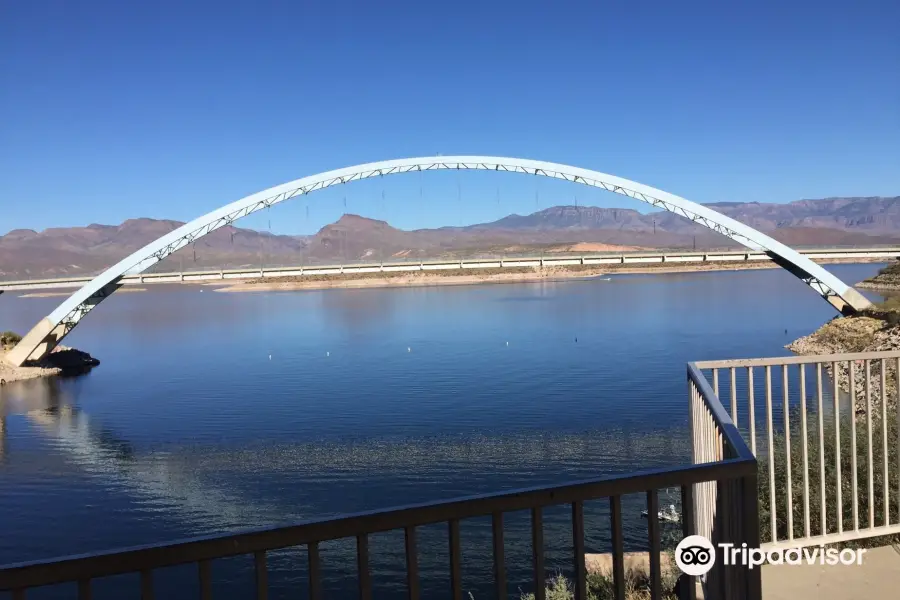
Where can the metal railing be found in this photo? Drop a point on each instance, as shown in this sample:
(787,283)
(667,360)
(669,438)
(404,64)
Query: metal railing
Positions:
(830,458)
(723,511)
(718,493)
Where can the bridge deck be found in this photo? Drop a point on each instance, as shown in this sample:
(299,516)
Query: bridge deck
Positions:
(474,263)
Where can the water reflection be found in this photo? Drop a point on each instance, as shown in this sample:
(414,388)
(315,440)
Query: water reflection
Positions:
(161,480)
(362,309)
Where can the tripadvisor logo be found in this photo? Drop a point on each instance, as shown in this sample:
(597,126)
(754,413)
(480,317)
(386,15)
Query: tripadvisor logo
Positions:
(695,555)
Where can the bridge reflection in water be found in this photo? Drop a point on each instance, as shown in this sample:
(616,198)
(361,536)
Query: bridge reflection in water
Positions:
(165,483)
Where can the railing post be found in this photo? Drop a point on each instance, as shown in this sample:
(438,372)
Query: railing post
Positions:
(704,441)
(688,583)
(750,532)
(736,523)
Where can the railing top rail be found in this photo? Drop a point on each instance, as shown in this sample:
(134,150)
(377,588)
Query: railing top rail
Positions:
(795,360)
(126,560)
(720,415)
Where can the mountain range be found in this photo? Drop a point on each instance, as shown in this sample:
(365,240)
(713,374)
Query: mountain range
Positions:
(26,254)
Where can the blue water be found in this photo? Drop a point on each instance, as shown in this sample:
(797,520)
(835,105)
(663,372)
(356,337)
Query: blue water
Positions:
(215,411)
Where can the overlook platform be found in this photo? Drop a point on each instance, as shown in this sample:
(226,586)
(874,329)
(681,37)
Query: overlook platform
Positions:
(877,577)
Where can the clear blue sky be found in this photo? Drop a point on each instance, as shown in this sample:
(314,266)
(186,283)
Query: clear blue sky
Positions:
(115,109)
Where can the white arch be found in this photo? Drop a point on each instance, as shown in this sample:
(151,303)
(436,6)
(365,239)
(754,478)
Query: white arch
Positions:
(46,334)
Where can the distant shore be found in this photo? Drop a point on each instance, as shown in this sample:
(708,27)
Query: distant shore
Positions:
(69,293)
(383,279)
(482,276)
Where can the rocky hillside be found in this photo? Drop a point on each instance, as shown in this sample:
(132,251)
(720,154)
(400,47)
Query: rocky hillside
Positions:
(877,330)
(866,216)
(887,279)
(25,253)
(861,214)
(855,334)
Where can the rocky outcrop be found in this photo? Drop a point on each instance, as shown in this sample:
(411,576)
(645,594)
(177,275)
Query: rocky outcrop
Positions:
(887,279)
(853,335)
(62,361)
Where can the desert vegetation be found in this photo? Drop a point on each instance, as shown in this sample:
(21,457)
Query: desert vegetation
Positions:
(8,339)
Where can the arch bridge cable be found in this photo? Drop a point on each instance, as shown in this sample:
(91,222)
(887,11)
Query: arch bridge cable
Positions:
(51,330)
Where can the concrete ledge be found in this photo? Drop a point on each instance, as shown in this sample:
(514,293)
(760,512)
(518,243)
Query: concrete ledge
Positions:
(876,577)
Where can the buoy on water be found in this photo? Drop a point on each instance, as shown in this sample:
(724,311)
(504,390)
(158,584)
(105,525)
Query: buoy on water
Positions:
(328,354)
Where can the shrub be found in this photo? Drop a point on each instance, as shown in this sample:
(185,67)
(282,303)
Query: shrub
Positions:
(890,304)
(600,586)
(9,339)
(888,311)
(846,339)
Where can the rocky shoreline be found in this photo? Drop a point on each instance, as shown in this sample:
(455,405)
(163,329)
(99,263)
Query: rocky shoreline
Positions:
(61,361)
(888,279)
(853,335)
(879,286)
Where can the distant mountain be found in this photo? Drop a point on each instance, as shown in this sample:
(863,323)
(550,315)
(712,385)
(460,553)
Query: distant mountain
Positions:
(67,250)
(871,215)
(573,217)
(832,221)
(862,215)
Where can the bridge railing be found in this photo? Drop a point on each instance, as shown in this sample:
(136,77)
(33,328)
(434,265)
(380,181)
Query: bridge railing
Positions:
(723,463)
(826,430)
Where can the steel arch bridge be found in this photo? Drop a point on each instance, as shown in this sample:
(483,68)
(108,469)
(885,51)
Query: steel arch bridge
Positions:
(53,328)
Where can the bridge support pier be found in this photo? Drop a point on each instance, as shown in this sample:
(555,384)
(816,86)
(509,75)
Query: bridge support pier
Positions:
(850,302)
(42,338)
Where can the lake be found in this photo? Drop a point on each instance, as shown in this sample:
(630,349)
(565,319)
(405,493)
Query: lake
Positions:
(214,412)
